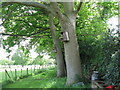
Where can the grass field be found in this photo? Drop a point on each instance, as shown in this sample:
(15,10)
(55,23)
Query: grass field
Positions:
(46,79)
(4,77)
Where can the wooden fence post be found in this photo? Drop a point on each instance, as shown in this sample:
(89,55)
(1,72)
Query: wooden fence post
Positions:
(5,75)
(27,71)
(8,75)
(31,70)
(21,71)
(15,73)
(34,68)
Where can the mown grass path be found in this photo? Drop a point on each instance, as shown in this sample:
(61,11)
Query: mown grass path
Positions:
(46,79)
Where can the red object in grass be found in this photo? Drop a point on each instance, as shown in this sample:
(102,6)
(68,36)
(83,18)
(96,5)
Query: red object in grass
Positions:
(110,87)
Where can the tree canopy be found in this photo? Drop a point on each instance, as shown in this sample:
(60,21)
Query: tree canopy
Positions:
(85,22)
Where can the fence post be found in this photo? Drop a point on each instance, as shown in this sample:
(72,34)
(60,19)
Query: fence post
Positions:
(27,71)
(15,73)
(8,75)
(34,68)
(21,71)
(5,75)
(31,70)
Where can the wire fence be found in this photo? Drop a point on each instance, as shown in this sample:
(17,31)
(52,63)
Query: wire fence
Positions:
(12,74)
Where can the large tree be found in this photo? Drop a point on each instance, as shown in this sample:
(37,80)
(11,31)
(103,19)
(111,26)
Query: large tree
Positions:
(61,71)
(68,25)
(67,18)
(66,14)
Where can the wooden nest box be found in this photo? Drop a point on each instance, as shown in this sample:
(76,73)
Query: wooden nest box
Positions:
(64,37)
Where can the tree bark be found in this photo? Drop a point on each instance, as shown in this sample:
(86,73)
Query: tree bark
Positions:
(71,47)
(72,56)
(59,55)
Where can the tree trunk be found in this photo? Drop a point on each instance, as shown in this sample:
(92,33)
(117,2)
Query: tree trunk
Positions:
(59,56)
(71,47)
(72,57)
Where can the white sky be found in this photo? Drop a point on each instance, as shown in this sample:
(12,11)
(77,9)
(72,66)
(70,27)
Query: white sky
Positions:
(4,54)
(113,21)
(33,53)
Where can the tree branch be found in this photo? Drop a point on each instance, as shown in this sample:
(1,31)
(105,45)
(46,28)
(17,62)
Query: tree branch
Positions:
(33,4)
(79,6)
(30,35)
(20,35)
(40,31)
(5,4)
(5,34)
(56,10)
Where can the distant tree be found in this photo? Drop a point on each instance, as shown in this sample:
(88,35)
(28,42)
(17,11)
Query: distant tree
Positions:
(6,62)
(38,61)
(20,58)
